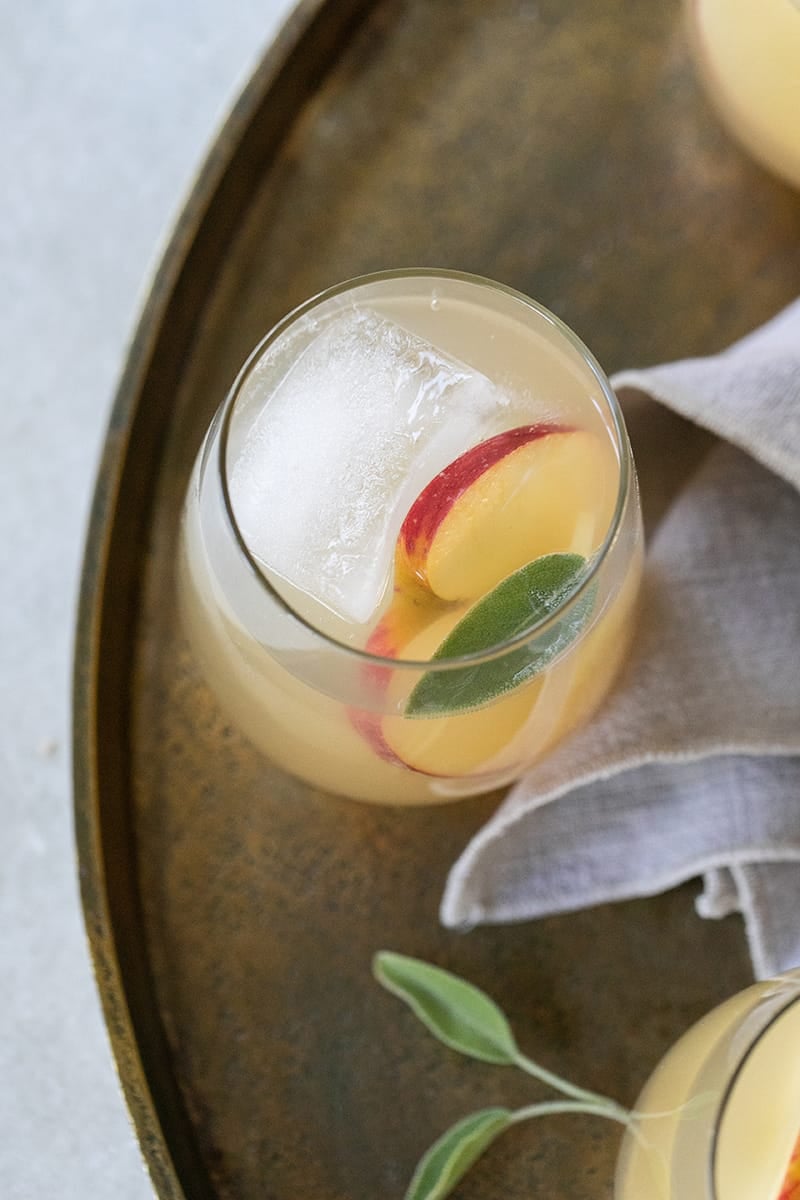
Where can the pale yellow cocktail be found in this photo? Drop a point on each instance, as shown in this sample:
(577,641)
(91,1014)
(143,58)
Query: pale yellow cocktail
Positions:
(748,57)
(720,1115)
(412,542)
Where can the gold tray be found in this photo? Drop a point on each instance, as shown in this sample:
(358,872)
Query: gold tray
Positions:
(561,146)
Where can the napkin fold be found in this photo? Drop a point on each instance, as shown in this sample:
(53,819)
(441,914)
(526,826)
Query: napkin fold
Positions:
(692,766)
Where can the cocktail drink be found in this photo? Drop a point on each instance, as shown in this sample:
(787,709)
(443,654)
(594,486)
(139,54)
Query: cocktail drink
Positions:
(748,57)
(412,542)
(721,1112)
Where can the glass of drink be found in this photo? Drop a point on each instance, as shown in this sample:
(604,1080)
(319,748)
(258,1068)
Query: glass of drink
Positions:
(748,57)
(720,1115)
(412,541)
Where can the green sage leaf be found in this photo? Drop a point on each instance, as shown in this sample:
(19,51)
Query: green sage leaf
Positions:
(456,1012)
(449,1158)
(523,598)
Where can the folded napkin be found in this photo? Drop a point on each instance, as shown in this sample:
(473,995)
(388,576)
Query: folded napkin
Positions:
(691,767)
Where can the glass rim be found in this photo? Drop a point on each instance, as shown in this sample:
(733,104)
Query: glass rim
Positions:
(585,578)
(730,1086)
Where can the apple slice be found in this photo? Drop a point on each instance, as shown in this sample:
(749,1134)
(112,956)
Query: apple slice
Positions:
(456,721)
(411,610)
(530,491)
(456,744)
(790,1188)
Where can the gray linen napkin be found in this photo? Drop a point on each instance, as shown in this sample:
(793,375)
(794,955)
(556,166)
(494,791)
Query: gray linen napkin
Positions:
(691,767)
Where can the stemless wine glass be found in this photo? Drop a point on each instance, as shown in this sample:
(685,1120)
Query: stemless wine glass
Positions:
(719,1118)
(748,57)
(412,540)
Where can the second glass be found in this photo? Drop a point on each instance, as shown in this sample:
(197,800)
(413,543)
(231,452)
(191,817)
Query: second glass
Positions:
(747,54)
(719,1118)
(412,542)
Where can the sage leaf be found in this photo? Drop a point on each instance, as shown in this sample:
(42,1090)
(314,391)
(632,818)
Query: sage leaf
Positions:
(449,1158)
(456,1012)
(516,604)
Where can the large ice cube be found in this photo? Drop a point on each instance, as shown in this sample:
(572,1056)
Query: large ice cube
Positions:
(365,417)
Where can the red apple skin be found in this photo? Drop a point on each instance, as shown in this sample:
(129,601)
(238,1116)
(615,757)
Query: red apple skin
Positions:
(791,1184)
(368,725)
(410,609)
(437,499)
(414,604)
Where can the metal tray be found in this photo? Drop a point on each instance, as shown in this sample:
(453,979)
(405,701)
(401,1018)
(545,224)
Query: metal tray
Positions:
(561,146)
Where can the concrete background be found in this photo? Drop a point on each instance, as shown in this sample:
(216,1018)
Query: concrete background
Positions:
(106,110)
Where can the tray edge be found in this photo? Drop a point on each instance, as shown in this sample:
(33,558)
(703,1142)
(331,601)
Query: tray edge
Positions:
(273,76)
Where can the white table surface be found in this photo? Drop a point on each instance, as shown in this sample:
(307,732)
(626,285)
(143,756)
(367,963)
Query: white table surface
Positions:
(105,113)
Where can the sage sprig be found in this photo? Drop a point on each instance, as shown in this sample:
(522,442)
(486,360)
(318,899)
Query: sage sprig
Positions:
(449,1158)
(467,1020)
(456,1012)
(532,593)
